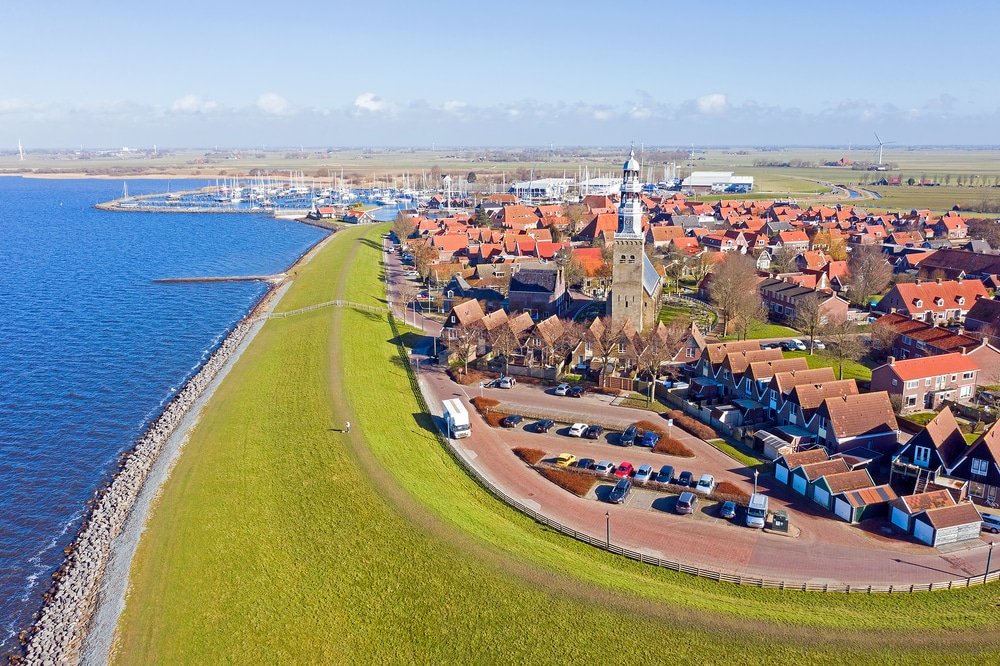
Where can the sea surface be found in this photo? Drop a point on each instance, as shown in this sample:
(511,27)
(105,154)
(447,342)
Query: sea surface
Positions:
(91,349)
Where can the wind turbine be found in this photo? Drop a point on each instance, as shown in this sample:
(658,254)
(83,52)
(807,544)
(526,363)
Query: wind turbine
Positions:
(880,144)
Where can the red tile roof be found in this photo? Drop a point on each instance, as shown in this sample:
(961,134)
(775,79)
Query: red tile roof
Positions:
(931,366)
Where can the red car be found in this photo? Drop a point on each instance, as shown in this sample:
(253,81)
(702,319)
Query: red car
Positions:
(625,469)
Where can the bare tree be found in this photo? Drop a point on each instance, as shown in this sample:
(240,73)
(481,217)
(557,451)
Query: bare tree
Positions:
(882,335)
(504,343)
(783,259)
(657,347)
(573,270)
(734,290)
(845,343)
(809,317)
(403,227)
(465,342)
(424,255)
(604,335)
(870,273)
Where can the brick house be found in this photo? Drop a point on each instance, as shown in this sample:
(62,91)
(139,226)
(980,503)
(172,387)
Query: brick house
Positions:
(933,301)
(924,383)
(866,420)
(782,298)
(539,292)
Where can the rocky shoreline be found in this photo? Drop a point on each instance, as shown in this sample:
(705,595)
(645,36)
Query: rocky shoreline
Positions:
(59,633)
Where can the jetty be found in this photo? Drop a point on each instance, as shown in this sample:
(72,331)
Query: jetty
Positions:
(277,277)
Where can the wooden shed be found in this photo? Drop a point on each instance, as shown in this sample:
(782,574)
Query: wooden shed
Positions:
(825,487)
(857,505)
(947,524)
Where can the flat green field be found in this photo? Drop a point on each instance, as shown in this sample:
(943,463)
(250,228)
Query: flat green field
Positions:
(281,539)
(852,369)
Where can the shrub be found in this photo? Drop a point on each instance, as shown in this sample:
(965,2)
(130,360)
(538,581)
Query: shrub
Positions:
(643,426)
(459,376)
(576,483)
(483,405)
(673,447)
(692,425)
(530,456)
(494,418)
(727,490)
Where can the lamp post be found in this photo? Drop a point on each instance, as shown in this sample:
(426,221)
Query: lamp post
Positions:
(755,473)
(607,516)
(989,560)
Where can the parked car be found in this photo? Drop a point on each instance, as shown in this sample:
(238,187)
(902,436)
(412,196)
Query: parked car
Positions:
(794,345)
(511,421)
(650,438)
(562,389)
(818,344)
(728,510)
(423,296)
(585,463)
(644,473)
(565,459)
(605,467)
(627,438)
(576,392)
(577,429)
(666,474)
(686,502)
(544,425)
(594,432)
(684,479)
(706,484)
(507,382)
(991,523)
(624,469)
(620,492)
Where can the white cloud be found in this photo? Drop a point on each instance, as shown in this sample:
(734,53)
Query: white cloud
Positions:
(453,105)
(273,104)
(713,104)
(193,104)
(369,102)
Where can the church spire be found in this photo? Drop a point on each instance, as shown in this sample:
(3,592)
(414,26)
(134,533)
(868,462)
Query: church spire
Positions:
(630,208)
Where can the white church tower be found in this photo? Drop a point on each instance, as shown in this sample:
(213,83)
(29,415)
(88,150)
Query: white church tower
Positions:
(625,300)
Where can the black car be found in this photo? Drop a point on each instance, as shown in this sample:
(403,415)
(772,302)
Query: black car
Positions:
(684,479)
(594,432)
(544,425)
(620,492)
(512,421)
(666,474)
(585,463)
(576,392)
(627,438)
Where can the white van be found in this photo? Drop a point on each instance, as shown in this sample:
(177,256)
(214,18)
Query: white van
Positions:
(757,511)
(706,484)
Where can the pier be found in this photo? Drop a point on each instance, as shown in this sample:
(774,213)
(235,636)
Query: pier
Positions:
(278,277)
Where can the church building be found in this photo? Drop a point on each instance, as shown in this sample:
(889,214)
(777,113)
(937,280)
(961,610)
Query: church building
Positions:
(636,288)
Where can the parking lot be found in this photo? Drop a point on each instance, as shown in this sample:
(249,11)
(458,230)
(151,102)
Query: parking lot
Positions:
(823,549)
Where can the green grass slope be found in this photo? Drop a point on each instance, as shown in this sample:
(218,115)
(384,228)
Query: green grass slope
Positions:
(279,539)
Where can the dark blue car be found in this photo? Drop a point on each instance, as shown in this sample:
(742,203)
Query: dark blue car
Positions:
(650,439)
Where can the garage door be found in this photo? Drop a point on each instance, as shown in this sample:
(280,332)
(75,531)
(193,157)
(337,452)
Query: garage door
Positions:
(842,509)
(799,484)
(821,496)
(923,532)
(899,518)
(781,474)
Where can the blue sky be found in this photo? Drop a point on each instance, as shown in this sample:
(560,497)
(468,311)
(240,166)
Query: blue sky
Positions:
(390,73)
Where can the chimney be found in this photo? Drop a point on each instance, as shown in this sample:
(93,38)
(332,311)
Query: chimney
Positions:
(958,280)
(892,360)
(962,350)
(916,281)
(939,280)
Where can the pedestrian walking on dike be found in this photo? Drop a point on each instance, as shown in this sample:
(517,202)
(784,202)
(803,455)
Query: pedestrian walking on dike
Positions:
(348,427)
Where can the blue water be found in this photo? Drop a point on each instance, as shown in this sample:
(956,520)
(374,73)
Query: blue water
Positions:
(91,349)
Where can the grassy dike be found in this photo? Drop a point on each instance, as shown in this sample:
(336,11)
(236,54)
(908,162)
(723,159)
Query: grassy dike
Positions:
(280,539)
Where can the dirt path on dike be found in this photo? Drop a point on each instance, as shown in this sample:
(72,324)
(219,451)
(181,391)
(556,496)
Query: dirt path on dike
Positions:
(578,591)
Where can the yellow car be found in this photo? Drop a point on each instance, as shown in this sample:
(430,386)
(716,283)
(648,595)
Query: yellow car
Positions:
(565,459)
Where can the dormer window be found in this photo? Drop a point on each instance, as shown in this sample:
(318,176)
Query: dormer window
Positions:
(938,301)
(961,300)
(919,303)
